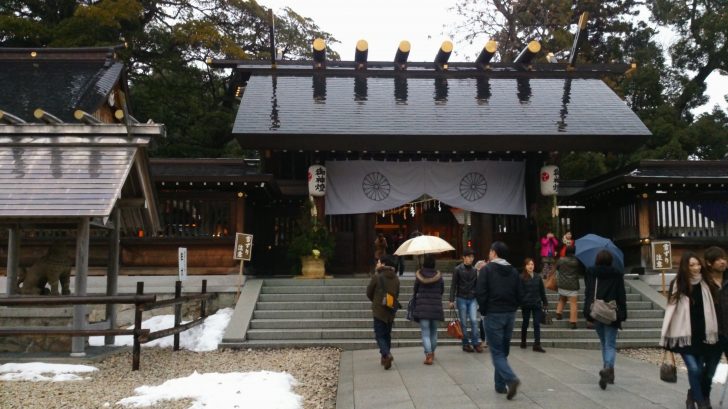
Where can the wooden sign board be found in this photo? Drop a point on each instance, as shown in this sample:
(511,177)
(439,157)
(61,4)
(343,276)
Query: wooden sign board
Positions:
(661,255)
(182,262)
(243,246)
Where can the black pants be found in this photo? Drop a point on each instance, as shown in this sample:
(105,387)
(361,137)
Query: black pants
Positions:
(400,265)
(383,335)
(536,312)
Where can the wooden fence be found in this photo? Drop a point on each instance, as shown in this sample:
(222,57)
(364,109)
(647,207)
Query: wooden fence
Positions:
(142,302)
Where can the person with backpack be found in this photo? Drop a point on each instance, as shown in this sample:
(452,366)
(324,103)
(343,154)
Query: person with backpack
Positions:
(462,291)
(383,292)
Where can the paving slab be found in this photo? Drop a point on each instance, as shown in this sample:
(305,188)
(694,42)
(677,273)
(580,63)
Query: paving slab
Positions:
(558,379)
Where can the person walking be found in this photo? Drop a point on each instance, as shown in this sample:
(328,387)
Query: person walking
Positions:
(690,326)
(499,293)
(715,262)
(428,312)
(462,292)
(604,282)
(568,271)
(384,281)
(380,247)
(533,303)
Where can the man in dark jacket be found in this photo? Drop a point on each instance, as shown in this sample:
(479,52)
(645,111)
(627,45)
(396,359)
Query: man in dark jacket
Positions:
(384,282)
(462,290)
(499,294)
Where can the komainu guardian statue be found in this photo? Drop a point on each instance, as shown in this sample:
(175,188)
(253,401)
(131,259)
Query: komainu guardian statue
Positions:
(54,269)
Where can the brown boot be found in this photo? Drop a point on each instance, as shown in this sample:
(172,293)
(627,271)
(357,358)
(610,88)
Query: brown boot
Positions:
(388,361)
(610,379)
(428,358)
(479,348)
(537,348)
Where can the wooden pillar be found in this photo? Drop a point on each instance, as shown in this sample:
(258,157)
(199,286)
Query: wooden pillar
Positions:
(112,272)
(240,213)
(13,259)
(643,217)
(78,344)
(481,225)
(360,235)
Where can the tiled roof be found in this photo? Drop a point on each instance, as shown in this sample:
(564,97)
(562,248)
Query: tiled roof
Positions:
(300,112)
(56,82)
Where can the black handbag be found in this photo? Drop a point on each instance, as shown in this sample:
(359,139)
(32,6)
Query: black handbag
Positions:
(668,370)
(546,317)
(411,308)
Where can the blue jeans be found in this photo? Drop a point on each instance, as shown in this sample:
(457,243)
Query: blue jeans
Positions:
(701,363)
(383,335)
(608,340)
(498,331)
(527,312)
(429,335)
(468,310)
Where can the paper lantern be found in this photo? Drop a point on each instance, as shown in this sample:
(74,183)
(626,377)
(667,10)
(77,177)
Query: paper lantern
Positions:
(316,180)
(549,180)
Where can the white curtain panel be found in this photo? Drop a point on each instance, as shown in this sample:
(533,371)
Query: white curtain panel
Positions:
(362,186)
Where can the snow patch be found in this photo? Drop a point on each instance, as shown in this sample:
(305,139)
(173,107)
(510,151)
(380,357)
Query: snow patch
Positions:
(37,371)
(204,337)
(242,390)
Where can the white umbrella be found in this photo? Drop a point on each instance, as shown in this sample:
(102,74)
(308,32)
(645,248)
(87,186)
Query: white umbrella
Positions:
(423,245)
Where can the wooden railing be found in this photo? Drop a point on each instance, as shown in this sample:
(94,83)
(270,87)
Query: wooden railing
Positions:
(142,302)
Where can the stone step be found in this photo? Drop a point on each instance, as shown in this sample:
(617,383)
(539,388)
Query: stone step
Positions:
(359,323)
(354,289)
(366,305)
(355,344)
(346,285)
(414,333)
(367,313)
(361,297)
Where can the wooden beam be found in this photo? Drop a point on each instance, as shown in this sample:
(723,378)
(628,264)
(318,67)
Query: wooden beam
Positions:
(132,203)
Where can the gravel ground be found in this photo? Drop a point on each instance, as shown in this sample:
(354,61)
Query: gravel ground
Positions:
(654,355)
(315,369)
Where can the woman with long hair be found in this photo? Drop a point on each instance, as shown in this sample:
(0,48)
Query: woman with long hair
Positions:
(605,282)
(690,326)
(533,302)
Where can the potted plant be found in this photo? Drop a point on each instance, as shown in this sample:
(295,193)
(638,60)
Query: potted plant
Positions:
(312,244)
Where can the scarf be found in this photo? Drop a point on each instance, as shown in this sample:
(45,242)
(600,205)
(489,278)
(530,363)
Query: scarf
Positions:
(676,331)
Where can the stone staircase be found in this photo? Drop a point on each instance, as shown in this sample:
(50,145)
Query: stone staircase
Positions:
(336,312)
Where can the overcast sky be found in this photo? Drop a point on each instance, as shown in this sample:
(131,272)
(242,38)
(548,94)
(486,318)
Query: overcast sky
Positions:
(384,23)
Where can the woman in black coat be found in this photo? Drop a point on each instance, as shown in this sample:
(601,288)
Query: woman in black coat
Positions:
(534,300)
(605,282)
(429,287)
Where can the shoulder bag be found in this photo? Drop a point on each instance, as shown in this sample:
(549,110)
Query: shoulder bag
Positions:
(602,311)
(668,370)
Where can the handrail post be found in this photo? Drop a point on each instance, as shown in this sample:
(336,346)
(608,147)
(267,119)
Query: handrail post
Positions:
(177,312)
(203,302)
(136,351)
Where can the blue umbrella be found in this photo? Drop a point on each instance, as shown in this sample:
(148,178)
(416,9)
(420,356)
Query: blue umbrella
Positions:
(588,246)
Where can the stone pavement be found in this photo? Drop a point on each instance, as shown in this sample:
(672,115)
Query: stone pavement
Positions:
(559,379)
